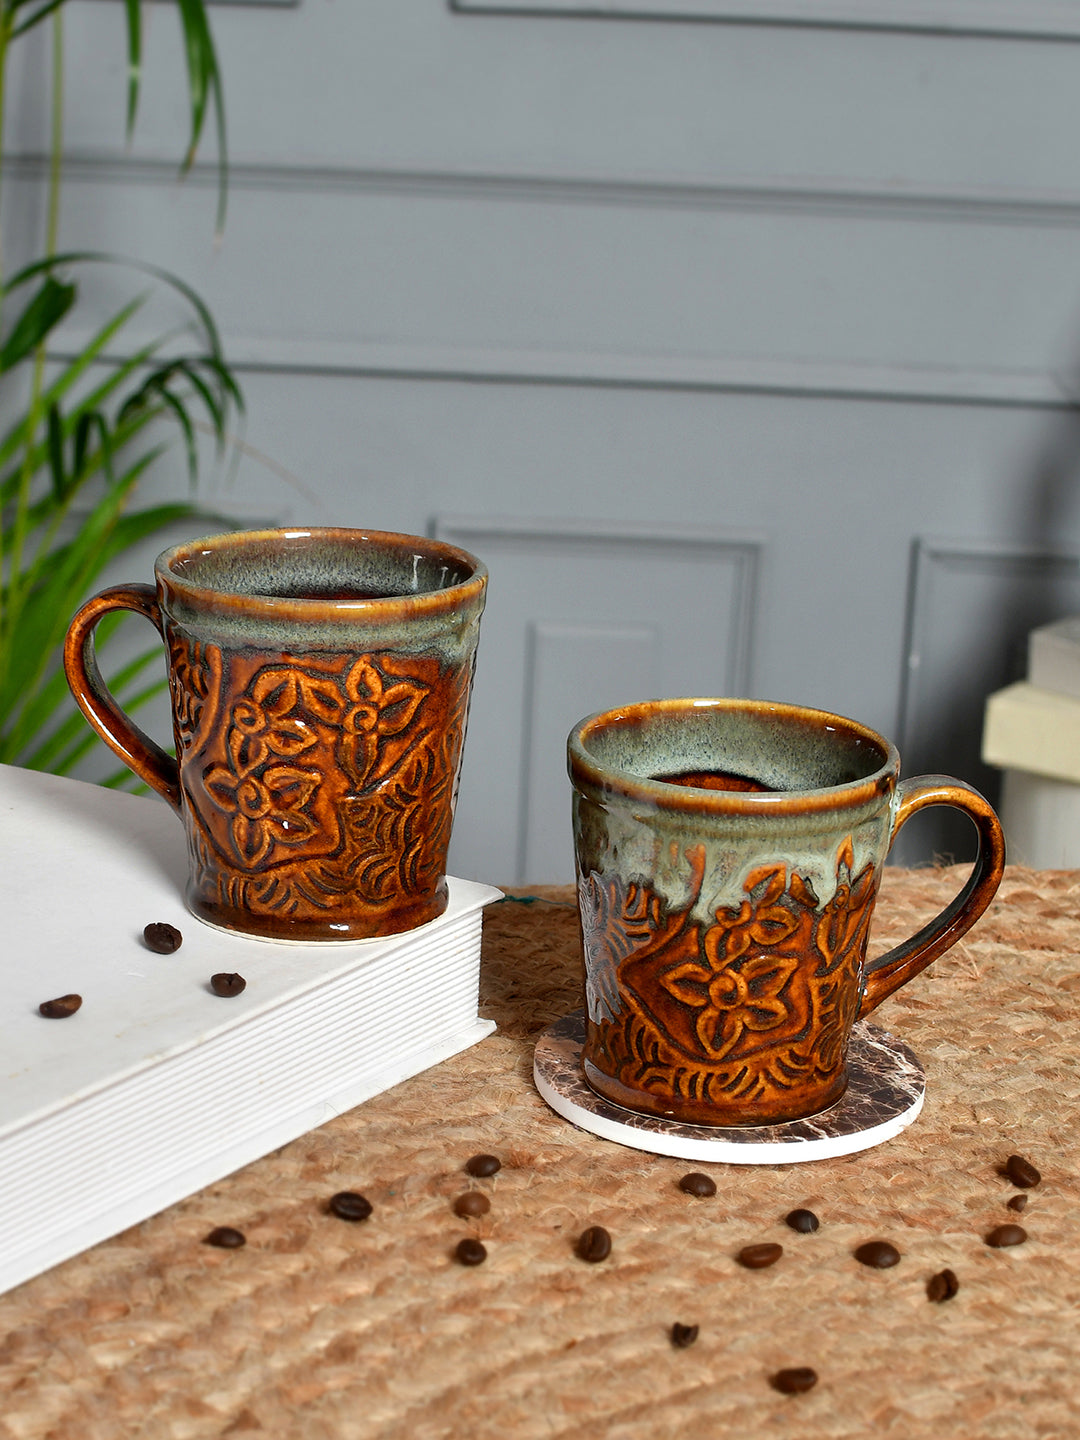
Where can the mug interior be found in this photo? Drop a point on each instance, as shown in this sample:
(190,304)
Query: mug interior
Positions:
(732,745)
(319,565)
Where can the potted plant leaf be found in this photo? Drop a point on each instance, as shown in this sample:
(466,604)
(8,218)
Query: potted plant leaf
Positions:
(87,427)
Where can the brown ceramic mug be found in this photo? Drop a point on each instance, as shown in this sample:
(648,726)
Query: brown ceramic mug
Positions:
(729,854)
(320,685)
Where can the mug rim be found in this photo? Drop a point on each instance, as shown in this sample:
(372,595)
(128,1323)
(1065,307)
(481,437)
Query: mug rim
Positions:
(291,608)
(585,769)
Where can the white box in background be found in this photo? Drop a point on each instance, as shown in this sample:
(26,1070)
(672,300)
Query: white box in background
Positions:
(1032,733)
(1054,656)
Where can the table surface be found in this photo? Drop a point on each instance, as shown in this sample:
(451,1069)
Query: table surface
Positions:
(322,1328)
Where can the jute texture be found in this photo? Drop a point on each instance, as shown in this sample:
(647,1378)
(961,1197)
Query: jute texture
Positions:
(321,1328)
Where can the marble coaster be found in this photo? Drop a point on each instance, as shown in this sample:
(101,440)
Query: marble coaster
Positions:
(886,1087)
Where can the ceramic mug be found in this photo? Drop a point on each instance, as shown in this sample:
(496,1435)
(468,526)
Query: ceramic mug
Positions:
(320,686)
(729,854)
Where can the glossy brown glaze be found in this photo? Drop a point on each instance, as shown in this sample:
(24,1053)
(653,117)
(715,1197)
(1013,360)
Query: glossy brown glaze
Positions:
(318,787)
(903,963)
(725,919)
(749,1015)
(319,724)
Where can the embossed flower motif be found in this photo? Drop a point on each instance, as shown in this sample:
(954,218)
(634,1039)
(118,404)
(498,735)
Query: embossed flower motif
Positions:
(267,802)
(738,982)
(841,932)
(379,712)
(190,685)
(283,709)
(740,997)
(266,795)
(760,920)
(840,939)
(839,1005)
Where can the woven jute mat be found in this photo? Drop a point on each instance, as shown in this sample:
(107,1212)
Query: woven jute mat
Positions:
(320,1328)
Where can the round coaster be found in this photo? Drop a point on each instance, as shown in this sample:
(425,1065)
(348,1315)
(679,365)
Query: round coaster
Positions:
(886,1088)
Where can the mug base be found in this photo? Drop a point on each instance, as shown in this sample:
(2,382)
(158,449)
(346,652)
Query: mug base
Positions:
(333,929)
(701,1112)
(886,1088)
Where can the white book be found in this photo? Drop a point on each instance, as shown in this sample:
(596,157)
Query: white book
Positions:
(156,1086)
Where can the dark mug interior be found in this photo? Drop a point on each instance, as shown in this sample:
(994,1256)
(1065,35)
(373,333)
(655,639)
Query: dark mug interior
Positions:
(733,745)
(329,565)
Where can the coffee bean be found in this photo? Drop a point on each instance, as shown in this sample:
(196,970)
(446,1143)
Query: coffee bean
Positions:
(1005,1235)
(795,1381)
(683,1335)
(759,1257)
(878,1254)
(483,1165)
(226,1238)
(228,985)
(348,1205)
(697,1184)
(470,1252)
(1021,1172)
(61,1008)
(1018,1203)
(472,1204)
(594,1244)
(942,1286)
(804,1221)
(161,938)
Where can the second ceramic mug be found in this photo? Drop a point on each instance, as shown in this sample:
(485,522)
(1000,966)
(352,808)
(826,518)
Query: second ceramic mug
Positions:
(320,686)
(729,854)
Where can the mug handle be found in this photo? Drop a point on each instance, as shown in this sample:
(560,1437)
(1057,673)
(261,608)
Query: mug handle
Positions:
(141,754)
(896,967)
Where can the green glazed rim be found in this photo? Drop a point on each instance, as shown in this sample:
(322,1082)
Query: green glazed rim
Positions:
(462,584)
(589,772)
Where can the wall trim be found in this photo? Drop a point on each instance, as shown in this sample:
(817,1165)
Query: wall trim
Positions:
(931,557)
(984,205)
(809,378)
(288,4)
(589,540)
(1056,19)
(742,550)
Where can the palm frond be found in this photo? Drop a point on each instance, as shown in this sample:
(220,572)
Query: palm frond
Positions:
(72,463)
(134,34)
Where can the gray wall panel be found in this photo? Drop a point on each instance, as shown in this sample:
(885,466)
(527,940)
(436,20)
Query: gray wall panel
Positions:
(861,295)
(570,664)
(809,294)
(581,617)
(409,83)
(973,606)
(1059,18)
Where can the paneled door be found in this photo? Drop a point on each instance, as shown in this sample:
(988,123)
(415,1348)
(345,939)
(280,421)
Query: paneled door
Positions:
(583,618)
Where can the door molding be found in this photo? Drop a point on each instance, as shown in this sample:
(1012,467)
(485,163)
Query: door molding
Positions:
(1058,19)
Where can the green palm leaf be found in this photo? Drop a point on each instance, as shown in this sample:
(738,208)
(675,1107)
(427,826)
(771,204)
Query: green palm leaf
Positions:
(71,465)
(134,32)
(47,308)
(204,85)
(30,21)
(70,374)
(204,75)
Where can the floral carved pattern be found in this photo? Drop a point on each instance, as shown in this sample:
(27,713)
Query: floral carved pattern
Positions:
(752,1006)
(319,784)
(194,682)
(281,733)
